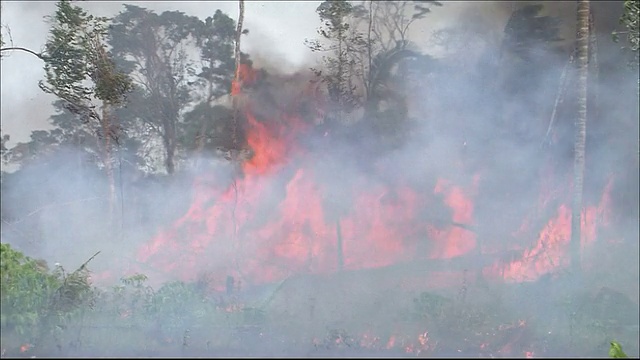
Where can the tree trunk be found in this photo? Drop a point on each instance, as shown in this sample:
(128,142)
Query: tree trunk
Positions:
(237,80)
(582,42)
(170,145)
(106,134)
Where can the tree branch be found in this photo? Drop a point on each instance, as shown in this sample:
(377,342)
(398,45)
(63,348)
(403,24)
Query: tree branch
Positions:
(38,55)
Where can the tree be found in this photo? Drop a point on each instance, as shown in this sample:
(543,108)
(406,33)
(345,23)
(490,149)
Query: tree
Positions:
(77,55)
(367,67)
(387,24)
(338,70)
(582,43)
(68,131)
(630,19)
(3,147)
(152,49)
(209,122)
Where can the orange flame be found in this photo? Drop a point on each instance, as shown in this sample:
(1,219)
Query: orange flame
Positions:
(236,229)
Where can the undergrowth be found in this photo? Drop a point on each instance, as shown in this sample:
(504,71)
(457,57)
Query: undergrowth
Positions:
(49,312)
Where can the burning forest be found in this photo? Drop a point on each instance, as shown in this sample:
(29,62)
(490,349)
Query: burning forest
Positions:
(398,199)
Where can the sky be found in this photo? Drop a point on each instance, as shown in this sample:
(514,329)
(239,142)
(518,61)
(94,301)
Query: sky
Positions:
(26,108)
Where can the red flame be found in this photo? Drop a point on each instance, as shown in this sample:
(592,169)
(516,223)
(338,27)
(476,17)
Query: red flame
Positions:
(550,251)
(245,76)
(237,230)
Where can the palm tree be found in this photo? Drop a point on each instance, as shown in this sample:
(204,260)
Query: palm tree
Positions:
(582,44)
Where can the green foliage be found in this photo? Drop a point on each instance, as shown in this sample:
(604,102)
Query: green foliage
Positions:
(215,39)
(37,302)
(630,19)
(338,68)
(25,289)
(75,55)
(74,291)
(209,124)
(615,351)
(153,49)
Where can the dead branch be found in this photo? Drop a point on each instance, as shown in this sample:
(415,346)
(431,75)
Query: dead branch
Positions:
(56,205)
(84,265)
(18,48)
(559,98)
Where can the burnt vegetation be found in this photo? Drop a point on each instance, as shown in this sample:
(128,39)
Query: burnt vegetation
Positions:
(464,190)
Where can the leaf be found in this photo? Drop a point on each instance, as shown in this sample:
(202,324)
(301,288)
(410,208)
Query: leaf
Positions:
(615,351)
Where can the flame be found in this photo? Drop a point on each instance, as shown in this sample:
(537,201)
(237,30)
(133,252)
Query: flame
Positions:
(244,76)
(235,229)
(454,241)
(551,250)
(391,343)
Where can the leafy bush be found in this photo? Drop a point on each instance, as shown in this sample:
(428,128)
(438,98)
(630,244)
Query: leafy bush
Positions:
(26,287)
(36,304)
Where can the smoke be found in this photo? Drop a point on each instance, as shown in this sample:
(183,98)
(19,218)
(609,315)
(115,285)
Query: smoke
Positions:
(471,164)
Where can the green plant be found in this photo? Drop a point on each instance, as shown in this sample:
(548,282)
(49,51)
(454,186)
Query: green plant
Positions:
(630,19)
(615,351)
(25,289)
(38,305)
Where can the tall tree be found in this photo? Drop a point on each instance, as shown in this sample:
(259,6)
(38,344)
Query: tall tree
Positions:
(337,72)
(582,44)
(367,61)
(236,78)
(153,50)
(209,122)
(81,73)
(384,28)
(69,131)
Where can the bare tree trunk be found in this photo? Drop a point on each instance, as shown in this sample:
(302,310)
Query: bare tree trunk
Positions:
(106,134)
(202,134)
(237,75)
(170,144)
(582,41)
(234,135)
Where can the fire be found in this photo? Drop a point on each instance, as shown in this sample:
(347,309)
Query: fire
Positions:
(551,250)
(391,343)
(263,229)
(454,241)
(245,76)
